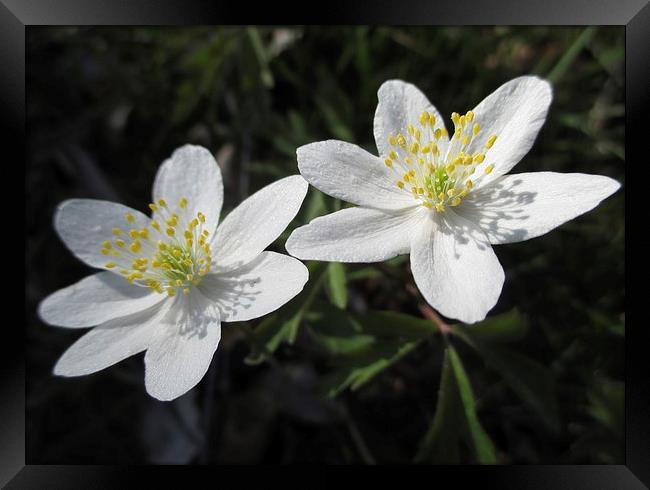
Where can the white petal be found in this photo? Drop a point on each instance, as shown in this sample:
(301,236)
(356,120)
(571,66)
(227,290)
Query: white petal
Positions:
(192,173)
(350,173)
(356,235)
(94,300)
(83,224)
(179,357)
(111,342)
(514,112)
(257,288)
(522,206)
(257,222)
(455,268)
(400,104)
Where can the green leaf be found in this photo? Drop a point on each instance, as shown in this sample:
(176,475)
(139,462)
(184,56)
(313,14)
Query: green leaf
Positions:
(283,325)
(530,380)
(440,444)
(355,371)
(336,284)
(507,327)
(481,443)
(346,333)
(396,325)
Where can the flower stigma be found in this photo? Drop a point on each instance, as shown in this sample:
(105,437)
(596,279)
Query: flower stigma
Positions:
(168,256)
(437,180)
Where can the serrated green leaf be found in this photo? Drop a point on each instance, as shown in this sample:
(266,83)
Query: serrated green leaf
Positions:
(481,443)
(355,371)
(506,327)
(395,325)
(336,284)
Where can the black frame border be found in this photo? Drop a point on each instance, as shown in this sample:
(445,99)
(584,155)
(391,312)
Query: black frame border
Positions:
(16,15)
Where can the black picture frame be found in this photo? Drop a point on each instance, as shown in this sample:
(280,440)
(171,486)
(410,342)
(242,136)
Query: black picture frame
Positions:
(17,15)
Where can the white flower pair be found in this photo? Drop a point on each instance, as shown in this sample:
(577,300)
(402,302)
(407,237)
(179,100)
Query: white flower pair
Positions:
(445,199)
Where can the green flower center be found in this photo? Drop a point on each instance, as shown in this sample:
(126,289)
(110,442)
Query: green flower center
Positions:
(169,255)
(434,179)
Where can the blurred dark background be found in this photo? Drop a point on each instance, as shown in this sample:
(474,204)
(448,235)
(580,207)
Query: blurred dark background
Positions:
(107,105)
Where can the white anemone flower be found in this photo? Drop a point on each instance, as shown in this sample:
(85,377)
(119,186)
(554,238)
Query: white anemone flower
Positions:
(171,279)
(445,200)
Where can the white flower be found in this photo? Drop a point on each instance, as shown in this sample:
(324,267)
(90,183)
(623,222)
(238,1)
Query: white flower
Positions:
(443,200)
(171,280)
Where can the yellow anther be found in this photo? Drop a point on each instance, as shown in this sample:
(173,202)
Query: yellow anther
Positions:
(469,184)
(469,116)
(444,132)
(135,247)
(472,170)
(491,141)
(391,140)
(457,134)
(116,231)
(153,207)
(186,291)
(410,129)
(171,292)
(144,233)
(182,203)
(388,162)
(189,277)
(155,225)
(418,135)
(134,233)
(450,168)
(411,173)
(110,265)
(465,140)
(441,196)
(400,184)
(455,117)
(489,169)
(432,120)
(201,217)
(205,232)
(187,235)
(476,129)
(467,160)
(440,207)
(401,141)
(105,251)
(479,158)
(129,217)
(424,118)
(162,246)
(450,192)
(437,133)
(427,204)
(455,201)
(107,244)
(119,243)
(393,155)
(194,223)
(426,149)
(461,121)
(171,231)
(420,190)
(162,203)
